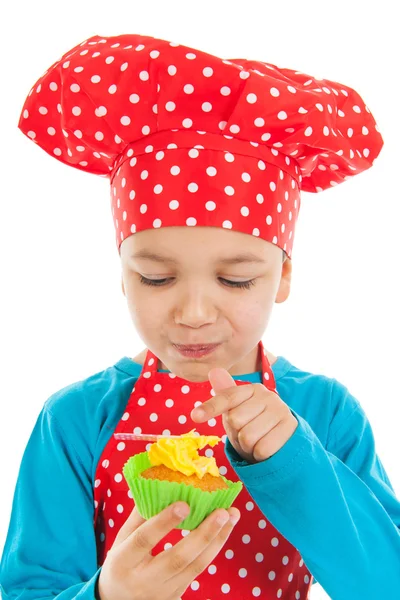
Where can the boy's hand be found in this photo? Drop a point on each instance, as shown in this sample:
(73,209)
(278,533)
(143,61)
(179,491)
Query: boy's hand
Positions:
(130,572)
(257,422)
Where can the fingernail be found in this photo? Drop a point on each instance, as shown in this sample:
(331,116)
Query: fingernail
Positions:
(234,519)
(199,413)
(181,511)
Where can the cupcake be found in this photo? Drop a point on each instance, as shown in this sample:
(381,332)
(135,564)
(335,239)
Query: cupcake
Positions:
(173,470)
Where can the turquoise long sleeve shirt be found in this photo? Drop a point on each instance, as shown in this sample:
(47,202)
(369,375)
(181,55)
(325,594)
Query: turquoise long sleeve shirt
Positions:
(325,490)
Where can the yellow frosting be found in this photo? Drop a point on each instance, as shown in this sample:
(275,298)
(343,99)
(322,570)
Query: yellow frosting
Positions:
(181,454)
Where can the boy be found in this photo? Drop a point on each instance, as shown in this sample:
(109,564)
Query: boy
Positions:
(206,159)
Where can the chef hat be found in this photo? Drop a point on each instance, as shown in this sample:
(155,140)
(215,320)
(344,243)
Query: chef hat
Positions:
(190,139)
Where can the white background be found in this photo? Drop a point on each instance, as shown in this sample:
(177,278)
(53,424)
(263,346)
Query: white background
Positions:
(63,315)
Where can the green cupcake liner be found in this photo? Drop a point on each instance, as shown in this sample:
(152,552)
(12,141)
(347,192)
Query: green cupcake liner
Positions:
(151,496)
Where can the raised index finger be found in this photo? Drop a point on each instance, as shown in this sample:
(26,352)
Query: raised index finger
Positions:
(225,400)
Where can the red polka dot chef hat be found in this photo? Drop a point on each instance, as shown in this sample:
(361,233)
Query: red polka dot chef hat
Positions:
(191,139)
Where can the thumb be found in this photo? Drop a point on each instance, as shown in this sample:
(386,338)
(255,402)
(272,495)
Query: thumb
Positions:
(131,524)
(220,379)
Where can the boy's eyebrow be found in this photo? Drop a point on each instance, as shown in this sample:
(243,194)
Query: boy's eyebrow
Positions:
(240,258)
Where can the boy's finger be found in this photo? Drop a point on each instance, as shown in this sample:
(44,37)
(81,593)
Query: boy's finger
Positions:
(225,400)
(184,553)
(142,540)
(183,579)
(133,521)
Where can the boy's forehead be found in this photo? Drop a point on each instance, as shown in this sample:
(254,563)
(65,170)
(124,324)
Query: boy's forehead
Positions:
(213,242)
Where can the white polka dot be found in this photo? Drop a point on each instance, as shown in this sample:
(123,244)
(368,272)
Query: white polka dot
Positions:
(76,111)
(249,505)
(259,122)
(125,120)
(153,417)
(125,416)
(225,90)
(260,198)
(262,524)
(268,220)
(297,595)
(193,187)
(182,419)
(223,470)
(185,532)
(290,578)
(274,541)
(170,106)
(121,446)
(229,554)
(234,128)
(75,88)
(185,389)
(158,188)
(229,190)
(134,98)
(259,557)
(102,537)
(109,493)
(212,422)
(285,560)
(261,165)
(246,177)
(174,204)
(208,72)
(144,76)
(225,588)
(210,205)
(97,483)
(246,539)
(112,89)
(141,401)
(271,575)
(251,98)
(206,106)
(175,170)
(111,522)
(282,115)
(209,452)
(118,477)
(242,573)
(195,585)
(167,546)
(120,508)
(212,569)
(256,591)
(279,593)
(245,211)
(193,153)
(101,111)
(105,463)
(188,89)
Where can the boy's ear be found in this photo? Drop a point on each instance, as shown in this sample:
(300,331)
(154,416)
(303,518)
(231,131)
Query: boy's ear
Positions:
(286,279)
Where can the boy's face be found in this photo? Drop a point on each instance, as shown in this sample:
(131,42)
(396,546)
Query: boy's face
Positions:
(195,304)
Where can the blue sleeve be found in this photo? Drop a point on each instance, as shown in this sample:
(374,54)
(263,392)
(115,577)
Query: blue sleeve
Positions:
(50,550)
(335,505)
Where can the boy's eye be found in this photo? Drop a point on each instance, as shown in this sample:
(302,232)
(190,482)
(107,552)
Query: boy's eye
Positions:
(236,284)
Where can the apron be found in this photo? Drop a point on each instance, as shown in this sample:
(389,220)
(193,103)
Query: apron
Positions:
(256,561)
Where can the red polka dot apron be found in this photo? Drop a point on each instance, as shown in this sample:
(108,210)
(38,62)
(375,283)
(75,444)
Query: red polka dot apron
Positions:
(256,561)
